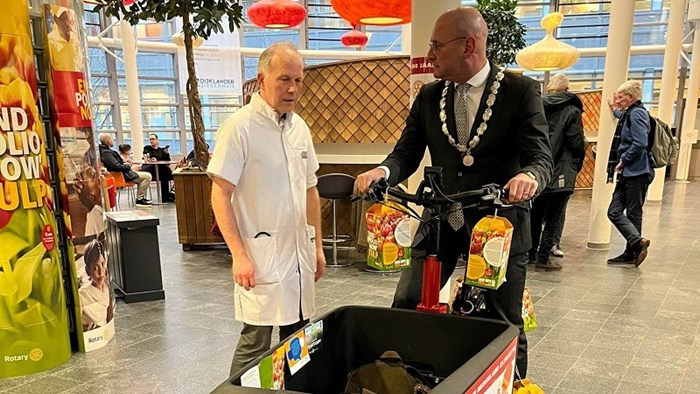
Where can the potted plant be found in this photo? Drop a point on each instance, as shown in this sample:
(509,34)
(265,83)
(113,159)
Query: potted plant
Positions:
(200,18)
(506,33)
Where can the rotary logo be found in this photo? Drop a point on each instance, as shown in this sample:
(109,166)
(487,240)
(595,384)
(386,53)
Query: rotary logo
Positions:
(36,354)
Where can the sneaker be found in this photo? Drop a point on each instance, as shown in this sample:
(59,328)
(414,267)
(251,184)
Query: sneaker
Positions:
(556,251)
(624,258)
(548,265)
(641,252)
(143,202)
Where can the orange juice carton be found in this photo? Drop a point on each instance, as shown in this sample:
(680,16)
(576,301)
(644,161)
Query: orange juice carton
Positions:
(389,237)
(488,252)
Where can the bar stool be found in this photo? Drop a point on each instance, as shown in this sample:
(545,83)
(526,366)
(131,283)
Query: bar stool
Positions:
(333,187)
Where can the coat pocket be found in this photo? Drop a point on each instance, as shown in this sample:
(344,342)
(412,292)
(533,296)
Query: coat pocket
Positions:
(261,251)
(308,262)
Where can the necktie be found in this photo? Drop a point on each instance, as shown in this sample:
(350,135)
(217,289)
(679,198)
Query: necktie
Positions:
(456,215)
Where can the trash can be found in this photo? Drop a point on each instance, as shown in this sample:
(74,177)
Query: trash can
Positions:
(465,354)
(134,255)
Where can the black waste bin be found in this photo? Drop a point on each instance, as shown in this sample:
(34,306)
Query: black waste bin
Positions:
(134,256)
(471,354)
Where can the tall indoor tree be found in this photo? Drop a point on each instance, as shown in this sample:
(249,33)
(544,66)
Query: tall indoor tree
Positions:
(200,18)
(506,33)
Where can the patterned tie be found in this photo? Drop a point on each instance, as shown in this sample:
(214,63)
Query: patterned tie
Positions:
(456,216)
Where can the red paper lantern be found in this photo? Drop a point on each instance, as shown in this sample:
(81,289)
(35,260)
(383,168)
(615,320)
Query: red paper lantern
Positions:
(128,2)
(276,14)
(354,39)
(373,12)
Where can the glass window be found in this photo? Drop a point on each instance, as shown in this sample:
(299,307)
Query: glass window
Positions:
(156,91)
(150,64)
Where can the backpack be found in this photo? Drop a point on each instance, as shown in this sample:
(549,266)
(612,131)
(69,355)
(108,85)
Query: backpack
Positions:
(662,144)
(388,375)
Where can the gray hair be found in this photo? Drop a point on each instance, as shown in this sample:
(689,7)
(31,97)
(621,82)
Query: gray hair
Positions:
(104,138)
(632,88)
(274,49)
(558,83)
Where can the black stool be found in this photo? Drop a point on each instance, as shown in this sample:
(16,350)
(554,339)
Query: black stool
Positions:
(334,187)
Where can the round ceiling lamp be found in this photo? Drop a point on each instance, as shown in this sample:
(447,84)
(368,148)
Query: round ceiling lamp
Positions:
(354,39)
(179,40)
(276,14)
(373,12)
(548,54)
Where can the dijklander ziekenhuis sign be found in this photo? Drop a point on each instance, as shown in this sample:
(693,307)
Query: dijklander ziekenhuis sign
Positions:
(33,315)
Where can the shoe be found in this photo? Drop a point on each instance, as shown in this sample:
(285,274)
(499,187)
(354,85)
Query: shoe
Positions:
(556,251)
(624,258)
(641,252)
(171,197)
(143,202)
(548,265)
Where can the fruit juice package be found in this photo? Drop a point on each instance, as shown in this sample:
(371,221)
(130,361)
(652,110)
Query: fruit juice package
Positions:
(388,237)
(488,252)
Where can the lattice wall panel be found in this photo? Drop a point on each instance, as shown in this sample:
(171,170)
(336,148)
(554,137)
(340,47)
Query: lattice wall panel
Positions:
(360,101)
(585,176)
(592,101)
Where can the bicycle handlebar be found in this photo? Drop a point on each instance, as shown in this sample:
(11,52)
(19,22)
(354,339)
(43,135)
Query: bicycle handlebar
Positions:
(426,196)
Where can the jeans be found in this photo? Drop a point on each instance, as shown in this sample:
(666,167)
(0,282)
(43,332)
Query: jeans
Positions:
(625,211)
(509,296)
(546,222)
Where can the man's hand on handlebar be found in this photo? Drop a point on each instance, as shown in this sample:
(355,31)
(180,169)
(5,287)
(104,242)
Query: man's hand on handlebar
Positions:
(521,188)
(365,179)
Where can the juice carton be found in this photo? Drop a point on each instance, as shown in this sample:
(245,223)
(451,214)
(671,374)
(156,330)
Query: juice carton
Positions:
(389,237)
(488,252)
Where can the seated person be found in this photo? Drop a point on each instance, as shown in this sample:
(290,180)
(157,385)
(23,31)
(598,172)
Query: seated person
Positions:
(190,160)
(126,155)
(154,152)
(114,162)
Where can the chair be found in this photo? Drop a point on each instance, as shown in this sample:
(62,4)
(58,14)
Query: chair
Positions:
(334,187)
(121,183)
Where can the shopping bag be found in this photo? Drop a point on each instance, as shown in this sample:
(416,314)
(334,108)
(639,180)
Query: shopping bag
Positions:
(525,386)
(528,313)
(388,237)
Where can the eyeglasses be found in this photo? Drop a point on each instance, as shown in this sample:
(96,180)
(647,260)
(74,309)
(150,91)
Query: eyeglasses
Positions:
(435,46)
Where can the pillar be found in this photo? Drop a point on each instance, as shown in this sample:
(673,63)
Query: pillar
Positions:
(133,92)
(616,66)
(669,79)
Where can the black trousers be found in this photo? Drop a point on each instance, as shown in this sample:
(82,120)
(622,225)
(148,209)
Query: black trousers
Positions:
(626,208)
(546,223)
(165,175)
(509,297)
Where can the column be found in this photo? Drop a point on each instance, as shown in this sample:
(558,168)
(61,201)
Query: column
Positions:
(616,66)
(423,17)
(669,79)
(689,134)
(133,92)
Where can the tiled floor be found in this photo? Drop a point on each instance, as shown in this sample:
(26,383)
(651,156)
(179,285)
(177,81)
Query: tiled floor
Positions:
(602,329)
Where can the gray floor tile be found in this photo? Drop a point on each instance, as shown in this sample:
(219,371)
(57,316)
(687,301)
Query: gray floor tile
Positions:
(588,383)
(47,385)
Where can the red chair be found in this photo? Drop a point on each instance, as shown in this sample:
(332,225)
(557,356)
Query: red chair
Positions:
(120,183)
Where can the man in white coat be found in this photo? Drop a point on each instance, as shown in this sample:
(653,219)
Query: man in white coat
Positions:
(267,206)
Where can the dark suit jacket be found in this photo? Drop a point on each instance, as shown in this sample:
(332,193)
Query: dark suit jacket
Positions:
(516,140)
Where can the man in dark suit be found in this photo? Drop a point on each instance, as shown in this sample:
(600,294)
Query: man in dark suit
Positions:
(496,133)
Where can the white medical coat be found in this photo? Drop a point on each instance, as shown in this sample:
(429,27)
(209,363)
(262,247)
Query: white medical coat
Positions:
(272,167)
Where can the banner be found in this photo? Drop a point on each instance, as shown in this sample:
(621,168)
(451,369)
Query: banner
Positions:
(218,71)
(33,316)
(80,181)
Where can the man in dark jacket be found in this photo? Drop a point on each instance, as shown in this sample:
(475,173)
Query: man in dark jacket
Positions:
(563,110)
(113,162)
(153,152)
(630,159)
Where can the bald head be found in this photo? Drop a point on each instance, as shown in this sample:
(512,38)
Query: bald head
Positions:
(459,38)
(466,22)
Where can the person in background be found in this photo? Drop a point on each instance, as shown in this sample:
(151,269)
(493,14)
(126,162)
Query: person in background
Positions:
(629,158)
(190,160)
(482,126)
(153,152)
(114,162)
(127,156)
(264,152)
(563,110)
